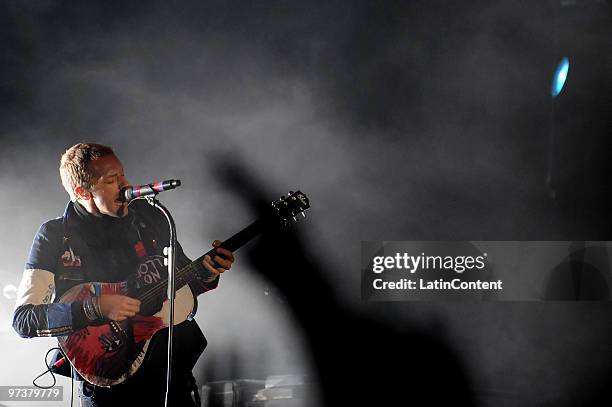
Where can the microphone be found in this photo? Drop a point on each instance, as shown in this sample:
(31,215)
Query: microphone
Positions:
(126,194)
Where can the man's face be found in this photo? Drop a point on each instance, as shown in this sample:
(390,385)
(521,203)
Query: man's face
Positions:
(108,180)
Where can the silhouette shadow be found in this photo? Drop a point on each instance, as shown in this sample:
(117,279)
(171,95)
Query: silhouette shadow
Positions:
(359,361)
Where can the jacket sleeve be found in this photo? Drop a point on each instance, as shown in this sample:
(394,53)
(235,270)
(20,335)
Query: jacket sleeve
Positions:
(35,313)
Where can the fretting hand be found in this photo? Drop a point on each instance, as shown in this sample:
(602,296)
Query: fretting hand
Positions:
(221,262)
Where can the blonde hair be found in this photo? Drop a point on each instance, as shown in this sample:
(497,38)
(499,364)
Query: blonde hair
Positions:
(74,166)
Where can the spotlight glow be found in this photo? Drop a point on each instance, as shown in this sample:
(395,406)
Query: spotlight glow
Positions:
(560,77)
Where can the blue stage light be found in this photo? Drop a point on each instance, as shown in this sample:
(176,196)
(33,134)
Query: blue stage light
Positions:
(560,77)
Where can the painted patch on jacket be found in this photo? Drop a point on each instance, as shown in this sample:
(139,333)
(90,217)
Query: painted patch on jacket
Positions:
(69,259)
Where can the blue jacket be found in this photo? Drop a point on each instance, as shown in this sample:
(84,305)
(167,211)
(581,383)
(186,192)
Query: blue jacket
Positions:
(78,248)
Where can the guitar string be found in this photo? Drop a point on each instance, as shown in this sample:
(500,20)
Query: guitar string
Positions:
(155,291)
(152,293)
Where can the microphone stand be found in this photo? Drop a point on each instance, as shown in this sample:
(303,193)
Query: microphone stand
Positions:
(169,253)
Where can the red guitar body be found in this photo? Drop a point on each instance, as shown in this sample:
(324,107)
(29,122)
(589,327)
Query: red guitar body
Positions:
(109,354)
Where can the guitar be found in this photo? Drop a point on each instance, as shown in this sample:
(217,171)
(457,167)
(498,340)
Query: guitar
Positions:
(110,353)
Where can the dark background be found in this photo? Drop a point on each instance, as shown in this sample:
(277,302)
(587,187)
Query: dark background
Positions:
(412,120)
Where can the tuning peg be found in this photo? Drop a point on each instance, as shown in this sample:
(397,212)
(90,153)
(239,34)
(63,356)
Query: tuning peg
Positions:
(303,214)
(295,219)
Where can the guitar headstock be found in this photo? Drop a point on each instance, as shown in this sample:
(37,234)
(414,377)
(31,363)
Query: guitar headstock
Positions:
(289,207)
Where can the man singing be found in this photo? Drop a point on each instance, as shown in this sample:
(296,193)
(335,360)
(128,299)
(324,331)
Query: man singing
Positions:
(100,239)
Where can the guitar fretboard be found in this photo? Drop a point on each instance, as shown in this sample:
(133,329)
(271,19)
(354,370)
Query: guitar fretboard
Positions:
(189,273)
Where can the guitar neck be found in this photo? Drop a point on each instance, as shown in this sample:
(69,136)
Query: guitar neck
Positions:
(188,273)
(284,209)
(241,238)
(232,244)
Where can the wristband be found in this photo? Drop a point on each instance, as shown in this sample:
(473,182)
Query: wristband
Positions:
(92,309)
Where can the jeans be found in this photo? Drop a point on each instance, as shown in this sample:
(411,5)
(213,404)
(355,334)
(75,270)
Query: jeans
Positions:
(141,392)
